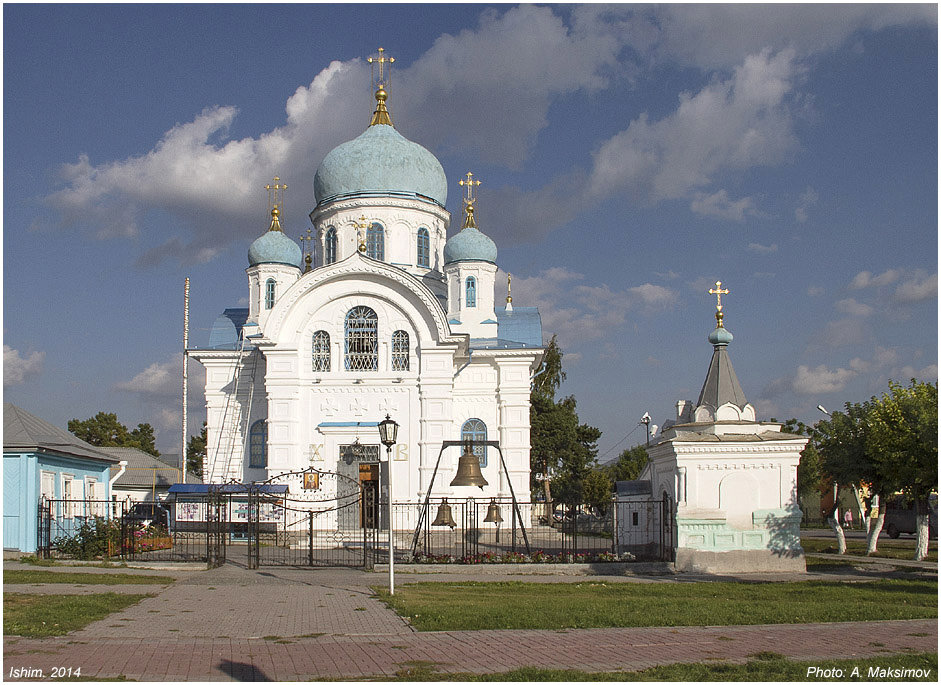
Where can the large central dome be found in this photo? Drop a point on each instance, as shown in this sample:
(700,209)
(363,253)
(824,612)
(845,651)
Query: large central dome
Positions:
(380,160)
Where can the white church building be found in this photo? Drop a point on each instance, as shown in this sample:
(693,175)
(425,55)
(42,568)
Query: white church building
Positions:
(384,314)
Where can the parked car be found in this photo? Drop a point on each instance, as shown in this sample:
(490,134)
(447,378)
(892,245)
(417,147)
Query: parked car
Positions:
(900,518)
(148,513)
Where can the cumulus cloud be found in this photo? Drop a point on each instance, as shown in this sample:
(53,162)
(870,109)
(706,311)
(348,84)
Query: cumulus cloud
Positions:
(160,379)
(820,380)
(918,288)
(720,206)
(577,311)
(736,123)
(865,279)
(853,308)
(807,199)
(762,249)
(17,369)
(815,290)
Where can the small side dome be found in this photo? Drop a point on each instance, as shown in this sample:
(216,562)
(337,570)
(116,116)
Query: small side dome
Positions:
(274,247)
(720,336)
(470,245)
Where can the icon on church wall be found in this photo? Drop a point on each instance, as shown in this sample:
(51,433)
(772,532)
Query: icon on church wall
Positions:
(311,481)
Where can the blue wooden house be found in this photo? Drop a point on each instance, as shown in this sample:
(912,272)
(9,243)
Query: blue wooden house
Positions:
(41,460)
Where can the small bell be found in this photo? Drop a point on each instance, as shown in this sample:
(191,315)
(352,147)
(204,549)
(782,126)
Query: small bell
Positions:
(444,517)
(468,469)
(493,513)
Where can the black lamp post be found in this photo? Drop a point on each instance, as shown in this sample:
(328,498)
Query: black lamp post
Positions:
(388,431)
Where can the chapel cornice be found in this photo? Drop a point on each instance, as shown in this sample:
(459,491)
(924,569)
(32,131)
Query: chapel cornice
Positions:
(323,213)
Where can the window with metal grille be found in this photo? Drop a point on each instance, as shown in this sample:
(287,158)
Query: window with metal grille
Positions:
(362,340)
(424,244)
(269,293)
(476,430)
(330,246)
(376,242)
(320,351)
(470,289)
(400,351)
(258,445)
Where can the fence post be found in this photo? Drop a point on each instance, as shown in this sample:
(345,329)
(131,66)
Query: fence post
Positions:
(615,537)
(310,538)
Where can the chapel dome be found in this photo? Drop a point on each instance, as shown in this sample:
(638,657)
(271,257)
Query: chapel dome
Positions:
(380,160)
(274,247)
(470,245)
(720,336)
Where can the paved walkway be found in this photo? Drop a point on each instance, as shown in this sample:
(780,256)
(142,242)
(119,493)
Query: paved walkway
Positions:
(294,624)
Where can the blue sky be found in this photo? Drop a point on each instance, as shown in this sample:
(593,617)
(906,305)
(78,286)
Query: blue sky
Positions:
(630,156)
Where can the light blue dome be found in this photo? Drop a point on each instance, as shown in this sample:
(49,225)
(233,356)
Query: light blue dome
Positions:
(274,247)
(470,245)
(720,336)
(380,160)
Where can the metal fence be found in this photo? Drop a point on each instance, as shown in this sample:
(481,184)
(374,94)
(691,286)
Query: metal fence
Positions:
(259,529)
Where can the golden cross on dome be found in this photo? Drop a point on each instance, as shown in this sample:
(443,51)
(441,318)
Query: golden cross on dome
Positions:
(307,254)
(718,292)
(469,199)
(275,193)
(359,232)
(382,60)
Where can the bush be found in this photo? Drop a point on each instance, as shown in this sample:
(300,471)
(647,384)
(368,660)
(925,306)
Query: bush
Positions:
(96,538)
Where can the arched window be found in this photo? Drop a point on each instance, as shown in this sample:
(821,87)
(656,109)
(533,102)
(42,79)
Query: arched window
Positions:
(424,244)
(269,293)
(320,351)
(475,429)
(376,242)
(330,246)
(258,445)
(470,290)
(362,340)
(400,351)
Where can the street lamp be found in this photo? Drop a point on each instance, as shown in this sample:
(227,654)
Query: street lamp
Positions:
(820,407)
(645,419)
(388,430)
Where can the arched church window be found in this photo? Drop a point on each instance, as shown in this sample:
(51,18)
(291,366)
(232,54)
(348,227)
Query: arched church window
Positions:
(476,430)
(470,290)
(269,293)
(258,445)
(376,242)
(400,351)
(424,244)
(362,340)
(320,351)
(330,246)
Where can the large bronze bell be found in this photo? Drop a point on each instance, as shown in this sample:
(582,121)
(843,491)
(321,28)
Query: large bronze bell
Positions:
(468,469)
(493,513)
(444,517)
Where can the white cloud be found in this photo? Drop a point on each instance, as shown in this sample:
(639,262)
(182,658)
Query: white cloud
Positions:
(815,291)
(807,199)
(157,380)
(843,332)
(719,205)
(853,308)
(762,249)
(732,124)
(820,380)
(17,369)
(918,288)
(579,312)
(865,279)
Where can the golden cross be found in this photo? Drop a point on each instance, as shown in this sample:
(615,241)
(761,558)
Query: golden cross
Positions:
(718,292)
(382,60)
(359,232)
(307,257)
(469,197)
(276,198)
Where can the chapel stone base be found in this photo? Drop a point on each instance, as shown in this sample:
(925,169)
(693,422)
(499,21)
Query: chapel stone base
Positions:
(739,561)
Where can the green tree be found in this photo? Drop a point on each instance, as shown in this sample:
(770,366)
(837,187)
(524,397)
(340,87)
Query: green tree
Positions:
(629,465)
(104,430)
(550,375)
(903,447)
(196,452)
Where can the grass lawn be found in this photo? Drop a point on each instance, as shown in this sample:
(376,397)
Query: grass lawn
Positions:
(79,578)
(761,668)
(888,548)
(48,615)
(485,606)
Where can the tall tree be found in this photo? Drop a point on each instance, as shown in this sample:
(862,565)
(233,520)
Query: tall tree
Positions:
(903,447)
(196,452)
(104,430)
(629,465)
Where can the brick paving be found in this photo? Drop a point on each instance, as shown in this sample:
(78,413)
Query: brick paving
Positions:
(294,624)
